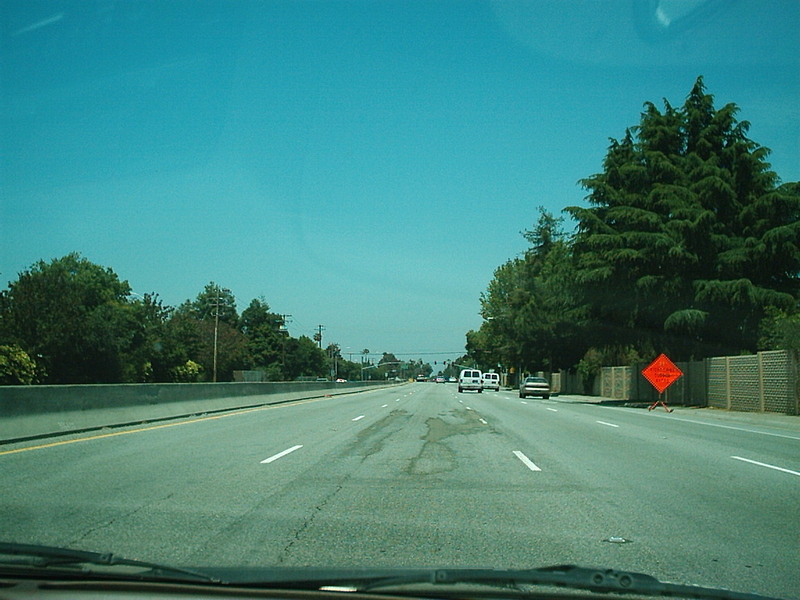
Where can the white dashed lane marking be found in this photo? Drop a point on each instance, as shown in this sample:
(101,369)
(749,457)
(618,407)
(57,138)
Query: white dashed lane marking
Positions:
(275,457)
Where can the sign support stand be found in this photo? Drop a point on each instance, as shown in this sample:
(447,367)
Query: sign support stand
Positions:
(660,402)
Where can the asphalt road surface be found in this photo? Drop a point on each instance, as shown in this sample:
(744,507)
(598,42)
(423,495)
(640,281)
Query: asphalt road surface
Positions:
(420,475)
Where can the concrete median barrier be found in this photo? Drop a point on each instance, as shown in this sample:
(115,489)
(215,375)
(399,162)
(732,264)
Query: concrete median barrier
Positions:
(29,412)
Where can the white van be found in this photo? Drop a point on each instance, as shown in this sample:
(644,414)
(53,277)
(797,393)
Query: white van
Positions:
(470,379)
(491,381)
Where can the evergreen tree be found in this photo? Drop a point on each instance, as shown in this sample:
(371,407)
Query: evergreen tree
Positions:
(690,238)
(533,318)
(266,338)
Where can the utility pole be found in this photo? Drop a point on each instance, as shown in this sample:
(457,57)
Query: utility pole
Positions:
(283,320)
(318,335)
(216,327)
(216,330)
(284,334)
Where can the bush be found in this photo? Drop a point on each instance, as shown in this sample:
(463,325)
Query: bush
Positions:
(187,373)
(16,367)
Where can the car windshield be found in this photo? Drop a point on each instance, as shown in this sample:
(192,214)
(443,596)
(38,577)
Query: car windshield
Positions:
(237,254)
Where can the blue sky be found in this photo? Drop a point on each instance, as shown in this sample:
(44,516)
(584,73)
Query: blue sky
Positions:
(361,165)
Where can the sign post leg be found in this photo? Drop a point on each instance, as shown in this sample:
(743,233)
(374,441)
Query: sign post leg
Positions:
(659,402)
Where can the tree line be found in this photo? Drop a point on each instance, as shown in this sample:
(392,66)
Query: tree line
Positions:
(72,321)
(689,245)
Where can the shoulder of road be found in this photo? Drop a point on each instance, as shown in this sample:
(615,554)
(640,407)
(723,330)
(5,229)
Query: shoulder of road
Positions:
(787,422)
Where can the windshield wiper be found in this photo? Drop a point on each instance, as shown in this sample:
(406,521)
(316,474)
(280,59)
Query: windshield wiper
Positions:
(516,582)
(46,557)
(575,578)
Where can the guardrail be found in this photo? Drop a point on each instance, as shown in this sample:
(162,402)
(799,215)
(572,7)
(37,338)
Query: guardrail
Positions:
(30,412)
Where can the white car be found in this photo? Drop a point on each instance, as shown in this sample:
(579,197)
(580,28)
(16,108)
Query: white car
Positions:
(470,379)
(534,386)
(491,381)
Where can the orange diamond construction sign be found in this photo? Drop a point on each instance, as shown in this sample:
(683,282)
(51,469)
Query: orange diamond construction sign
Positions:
(662,373)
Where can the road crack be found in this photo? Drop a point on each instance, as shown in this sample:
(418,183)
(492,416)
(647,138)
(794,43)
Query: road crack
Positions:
(109,523)
(309,521)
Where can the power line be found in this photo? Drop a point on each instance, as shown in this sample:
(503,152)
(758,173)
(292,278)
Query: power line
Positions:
(458,352)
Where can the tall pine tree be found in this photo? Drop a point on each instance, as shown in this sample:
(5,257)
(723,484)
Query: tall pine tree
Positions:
(689,239)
